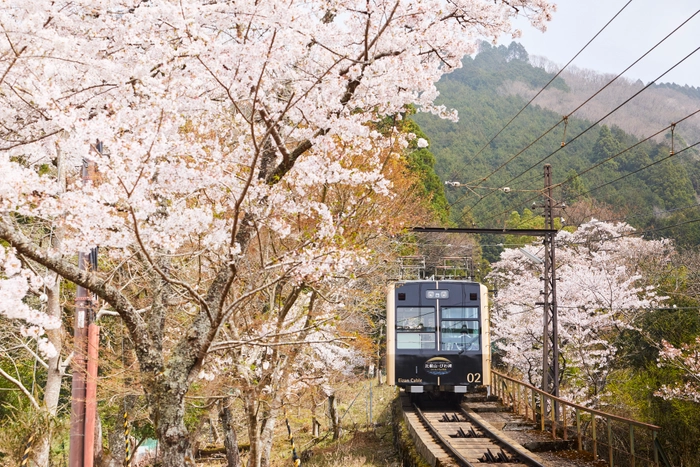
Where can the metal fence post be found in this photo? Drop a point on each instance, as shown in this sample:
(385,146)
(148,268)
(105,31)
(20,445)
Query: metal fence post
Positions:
(578,430)
(611,462)
(595,440)
(632,445)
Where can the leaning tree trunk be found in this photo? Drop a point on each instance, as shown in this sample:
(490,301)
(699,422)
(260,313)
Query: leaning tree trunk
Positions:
(266,438)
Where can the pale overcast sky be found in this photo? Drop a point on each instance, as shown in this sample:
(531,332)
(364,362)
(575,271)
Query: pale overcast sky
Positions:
(641,25)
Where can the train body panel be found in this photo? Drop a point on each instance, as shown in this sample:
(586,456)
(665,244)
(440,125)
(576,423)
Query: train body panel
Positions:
(438,335)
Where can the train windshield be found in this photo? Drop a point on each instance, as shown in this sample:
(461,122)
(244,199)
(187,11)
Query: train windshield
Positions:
(459,329)
(415,328)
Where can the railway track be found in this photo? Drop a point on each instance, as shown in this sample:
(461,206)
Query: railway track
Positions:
(465,438)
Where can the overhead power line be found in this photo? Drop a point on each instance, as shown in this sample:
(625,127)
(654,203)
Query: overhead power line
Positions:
(637,171)
(545,86)
(527,201)
(605,116)
(666,211)
(464,165)
(565,118)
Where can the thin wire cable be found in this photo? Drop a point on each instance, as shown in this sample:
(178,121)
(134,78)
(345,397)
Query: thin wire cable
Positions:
(587,129)
(464,165)
(638,170)
(606,115)
(546,85)
(666,211)
(598,164)
(660,229)
(565,118)
(515,206)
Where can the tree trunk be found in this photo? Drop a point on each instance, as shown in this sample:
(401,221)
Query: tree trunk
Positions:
(117,449)
(168,409)
(230,439)
(55,372)
(333,414)
(266,438)
(54,378)
(253,431)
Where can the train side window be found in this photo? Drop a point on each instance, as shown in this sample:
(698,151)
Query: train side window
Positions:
(460,329)
(416,319)
(415,328)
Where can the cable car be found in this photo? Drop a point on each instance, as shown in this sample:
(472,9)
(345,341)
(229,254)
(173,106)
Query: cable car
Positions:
(438,335)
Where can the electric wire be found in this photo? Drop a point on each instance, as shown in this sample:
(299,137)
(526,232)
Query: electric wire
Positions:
(666,211)
(469,209)
(639,170)
(565,118)
(608,159)
(672,125)
(523,203)
(540,92)
(546,85)
(659,229)
(606,115)
(580,195)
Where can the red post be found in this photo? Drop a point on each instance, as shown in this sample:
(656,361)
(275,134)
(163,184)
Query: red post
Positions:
(83,319)
(91,394)
(77,414)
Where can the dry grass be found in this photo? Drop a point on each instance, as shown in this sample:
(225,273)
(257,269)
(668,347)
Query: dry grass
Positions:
(361,444)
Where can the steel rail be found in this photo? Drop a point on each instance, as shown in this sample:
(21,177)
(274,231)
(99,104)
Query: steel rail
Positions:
(487,429)
(453,451)
(446,444)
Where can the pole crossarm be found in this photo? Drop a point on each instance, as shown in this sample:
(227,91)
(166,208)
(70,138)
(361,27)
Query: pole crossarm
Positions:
(526,232)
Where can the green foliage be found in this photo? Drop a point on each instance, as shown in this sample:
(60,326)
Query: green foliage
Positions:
(638,376)
(679,420)
(422,162)
(478,91)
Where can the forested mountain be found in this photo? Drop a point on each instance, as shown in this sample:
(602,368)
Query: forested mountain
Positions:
(653,109)
(643,185)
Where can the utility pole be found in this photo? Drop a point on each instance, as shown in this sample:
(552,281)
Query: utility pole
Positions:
(550,336)
(84,317)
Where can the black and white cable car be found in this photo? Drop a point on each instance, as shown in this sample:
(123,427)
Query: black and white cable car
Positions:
(438,335)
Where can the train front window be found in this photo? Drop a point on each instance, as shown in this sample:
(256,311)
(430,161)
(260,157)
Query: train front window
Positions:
(415,328)
(460,313)
(459,329)
(415,340)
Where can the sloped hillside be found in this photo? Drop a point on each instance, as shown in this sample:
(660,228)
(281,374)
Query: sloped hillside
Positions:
(642,185)
(652,110)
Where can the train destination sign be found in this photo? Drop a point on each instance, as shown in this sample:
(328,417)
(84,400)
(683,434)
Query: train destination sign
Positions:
(433,294)
(438,366)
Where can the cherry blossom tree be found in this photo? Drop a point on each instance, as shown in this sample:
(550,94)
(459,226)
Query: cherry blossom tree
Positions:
(687,360)
(223,124)
(599,292)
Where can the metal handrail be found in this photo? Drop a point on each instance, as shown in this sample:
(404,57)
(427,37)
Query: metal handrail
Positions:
(519,399)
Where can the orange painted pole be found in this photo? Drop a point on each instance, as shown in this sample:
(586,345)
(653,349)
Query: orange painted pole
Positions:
(91,394)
